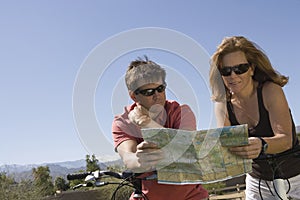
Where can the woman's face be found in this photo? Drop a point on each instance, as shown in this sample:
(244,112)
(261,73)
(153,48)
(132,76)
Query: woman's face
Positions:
(237,72)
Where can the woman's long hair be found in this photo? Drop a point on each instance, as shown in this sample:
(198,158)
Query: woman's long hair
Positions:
(263,70)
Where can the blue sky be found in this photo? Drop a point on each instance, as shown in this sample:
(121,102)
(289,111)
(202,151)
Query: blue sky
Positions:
(45,43)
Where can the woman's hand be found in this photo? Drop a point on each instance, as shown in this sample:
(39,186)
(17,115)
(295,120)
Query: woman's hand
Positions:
(250,151)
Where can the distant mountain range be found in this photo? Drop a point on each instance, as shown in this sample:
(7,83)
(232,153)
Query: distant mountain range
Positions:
(24,172)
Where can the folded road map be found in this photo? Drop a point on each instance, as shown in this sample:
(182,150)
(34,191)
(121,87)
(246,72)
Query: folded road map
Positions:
(199,156)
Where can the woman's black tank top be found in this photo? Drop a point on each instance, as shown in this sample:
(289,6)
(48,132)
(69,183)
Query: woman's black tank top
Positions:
(286,166)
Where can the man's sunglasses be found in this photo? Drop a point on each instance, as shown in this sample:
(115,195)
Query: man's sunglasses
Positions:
(151,91)
(238,69)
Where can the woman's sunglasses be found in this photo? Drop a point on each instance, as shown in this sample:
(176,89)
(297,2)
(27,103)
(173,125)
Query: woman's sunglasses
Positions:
(151,91)
(238,69)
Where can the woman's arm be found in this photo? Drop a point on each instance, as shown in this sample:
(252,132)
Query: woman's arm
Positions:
(280,118)
(249,151)
(221,114)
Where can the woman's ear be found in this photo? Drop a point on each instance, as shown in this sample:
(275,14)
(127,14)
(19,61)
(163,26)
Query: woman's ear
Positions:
(252,67)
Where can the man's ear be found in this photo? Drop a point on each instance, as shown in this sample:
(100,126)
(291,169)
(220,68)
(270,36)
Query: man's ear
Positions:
(132,96)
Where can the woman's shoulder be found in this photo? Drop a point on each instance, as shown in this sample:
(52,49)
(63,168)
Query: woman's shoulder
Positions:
(271,85)
(271,89)
(272,94)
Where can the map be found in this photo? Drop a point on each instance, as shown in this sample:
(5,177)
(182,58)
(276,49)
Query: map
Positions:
(199,156)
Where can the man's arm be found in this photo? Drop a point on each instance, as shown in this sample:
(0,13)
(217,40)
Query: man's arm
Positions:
(187,119)
(139,157)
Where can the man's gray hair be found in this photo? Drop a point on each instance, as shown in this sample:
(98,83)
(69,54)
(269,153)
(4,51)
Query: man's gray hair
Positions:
(143,71)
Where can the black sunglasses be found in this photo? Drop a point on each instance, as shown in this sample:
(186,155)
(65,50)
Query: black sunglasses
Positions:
(238,69)
(151,91)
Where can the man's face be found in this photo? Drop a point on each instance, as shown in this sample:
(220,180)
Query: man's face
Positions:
(150,94)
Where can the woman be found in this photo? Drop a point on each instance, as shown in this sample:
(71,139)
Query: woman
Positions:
(247,90)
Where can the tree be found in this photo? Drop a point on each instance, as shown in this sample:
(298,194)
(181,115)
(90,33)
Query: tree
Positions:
(43,181)
(91,163)
(26,190)
(9,189)
(116,168)
(61,184)
(6,184)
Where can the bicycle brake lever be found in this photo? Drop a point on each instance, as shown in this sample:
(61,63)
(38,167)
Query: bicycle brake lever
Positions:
(98,184)
(90,178)
(77,186)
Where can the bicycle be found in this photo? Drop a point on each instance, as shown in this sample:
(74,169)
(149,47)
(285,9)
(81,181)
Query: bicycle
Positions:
(93,179)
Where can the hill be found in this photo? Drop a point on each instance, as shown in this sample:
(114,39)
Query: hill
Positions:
(24,172)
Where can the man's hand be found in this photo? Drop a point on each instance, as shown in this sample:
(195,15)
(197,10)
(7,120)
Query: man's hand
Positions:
(139,116)
(148,155)
(142,117)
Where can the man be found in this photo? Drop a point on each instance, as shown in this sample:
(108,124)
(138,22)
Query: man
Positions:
(146,85)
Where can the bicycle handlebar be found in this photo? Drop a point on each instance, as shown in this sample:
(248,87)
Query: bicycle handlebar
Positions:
(93,179)
(78,175)
(97,174)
